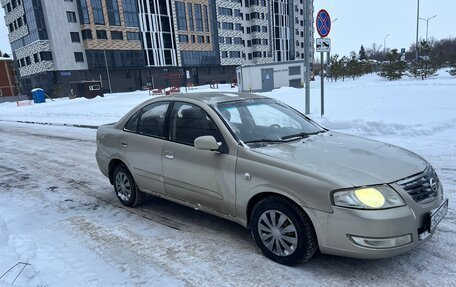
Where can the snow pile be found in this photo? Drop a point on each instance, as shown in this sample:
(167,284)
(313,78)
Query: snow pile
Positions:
(369,105)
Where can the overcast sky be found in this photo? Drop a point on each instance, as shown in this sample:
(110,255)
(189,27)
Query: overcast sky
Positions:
(366,22)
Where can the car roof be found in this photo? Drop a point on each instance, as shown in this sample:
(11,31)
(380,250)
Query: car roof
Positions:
(212,98)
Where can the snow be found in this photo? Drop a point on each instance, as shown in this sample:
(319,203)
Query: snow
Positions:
(60,215)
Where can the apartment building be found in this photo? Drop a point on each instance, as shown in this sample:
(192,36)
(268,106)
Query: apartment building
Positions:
(136,42)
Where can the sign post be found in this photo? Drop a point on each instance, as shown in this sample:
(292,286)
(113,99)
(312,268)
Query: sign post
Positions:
(323,23)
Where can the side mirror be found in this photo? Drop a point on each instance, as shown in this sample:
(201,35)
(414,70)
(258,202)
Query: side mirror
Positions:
(207,143)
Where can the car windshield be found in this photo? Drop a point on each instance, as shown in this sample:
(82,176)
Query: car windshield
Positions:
(262,121)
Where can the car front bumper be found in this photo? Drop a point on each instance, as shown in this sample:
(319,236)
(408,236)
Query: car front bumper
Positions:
(384,233)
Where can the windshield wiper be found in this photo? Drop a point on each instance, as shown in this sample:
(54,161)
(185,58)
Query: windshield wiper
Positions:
(301,135)
(265,141)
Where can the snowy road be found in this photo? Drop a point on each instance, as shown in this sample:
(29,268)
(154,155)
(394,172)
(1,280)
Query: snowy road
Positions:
(59,214)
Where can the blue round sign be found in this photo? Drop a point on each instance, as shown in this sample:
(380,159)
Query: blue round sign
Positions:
(323,22)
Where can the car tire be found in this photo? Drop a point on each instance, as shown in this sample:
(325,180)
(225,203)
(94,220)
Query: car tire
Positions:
(283,231)
(125,187)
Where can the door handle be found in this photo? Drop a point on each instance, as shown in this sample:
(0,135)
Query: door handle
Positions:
(124,144)
(169,155)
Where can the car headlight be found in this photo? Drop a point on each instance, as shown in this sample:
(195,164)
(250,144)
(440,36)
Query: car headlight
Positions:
(376,197)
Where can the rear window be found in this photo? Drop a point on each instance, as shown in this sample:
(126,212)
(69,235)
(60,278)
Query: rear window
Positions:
(132,123)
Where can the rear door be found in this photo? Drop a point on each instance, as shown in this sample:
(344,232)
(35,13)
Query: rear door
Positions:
(200,177)
(142,146)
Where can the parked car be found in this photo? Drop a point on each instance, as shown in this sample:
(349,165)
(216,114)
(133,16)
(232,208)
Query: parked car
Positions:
(258,162)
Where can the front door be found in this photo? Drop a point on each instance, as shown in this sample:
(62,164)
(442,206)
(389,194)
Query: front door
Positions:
(267,80)
(200,177)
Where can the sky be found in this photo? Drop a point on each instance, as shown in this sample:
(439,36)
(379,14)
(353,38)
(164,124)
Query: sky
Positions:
(366,22)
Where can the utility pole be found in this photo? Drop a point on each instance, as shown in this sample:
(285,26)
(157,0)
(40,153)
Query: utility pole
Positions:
(417,29)
(384,44)
(307,43)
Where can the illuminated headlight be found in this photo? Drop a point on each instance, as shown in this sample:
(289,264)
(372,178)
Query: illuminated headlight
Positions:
(381,243)
(378,197)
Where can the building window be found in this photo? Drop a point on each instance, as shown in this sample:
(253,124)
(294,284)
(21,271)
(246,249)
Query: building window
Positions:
(36,59)
(75,37)
(86,34)
(130,11)
(237,13)
(224,54)
(227,26)
(190,16)
(198,18)
(22,62)
(46,56)
(206,18)
(78,57)
(200,39)
(113,12)
(235,54)
(228,40)
(225,11)
(237,40)
(11,27)
(264,29)
(8,7)
(183,38)
(193,39)
(116,35)
(19,22)
(238,27)
(28,61)
(208,39)
(101,34)
(180,15)
(83,12)
(71,16)
(133,36)
(97,9)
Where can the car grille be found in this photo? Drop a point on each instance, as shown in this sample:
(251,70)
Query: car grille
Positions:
(419,186)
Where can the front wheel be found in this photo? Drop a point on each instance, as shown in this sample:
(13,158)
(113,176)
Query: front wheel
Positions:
(283,231)
(125,187)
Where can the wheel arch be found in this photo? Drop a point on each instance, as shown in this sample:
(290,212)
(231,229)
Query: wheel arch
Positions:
(260,196)
(112,166)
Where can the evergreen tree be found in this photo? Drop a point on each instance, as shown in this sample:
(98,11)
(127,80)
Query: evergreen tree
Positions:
(354,68)
(426,66)
(393,68)
(362,53)
(453,69)
(335,67)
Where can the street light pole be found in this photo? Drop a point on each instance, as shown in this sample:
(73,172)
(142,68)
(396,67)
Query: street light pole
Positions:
(384,44)
(307,46)
(417,29)
(427,25)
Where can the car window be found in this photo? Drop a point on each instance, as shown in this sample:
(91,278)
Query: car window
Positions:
(152,119)
(262,120)
(267,115)
(132,123)
(189,122)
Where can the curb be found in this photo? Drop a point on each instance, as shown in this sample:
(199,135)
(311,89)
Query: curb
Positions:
(53,124)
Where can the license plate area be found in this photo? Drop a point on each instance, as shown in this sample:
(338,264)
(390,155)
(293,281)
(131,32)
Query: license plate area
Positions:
(438,214)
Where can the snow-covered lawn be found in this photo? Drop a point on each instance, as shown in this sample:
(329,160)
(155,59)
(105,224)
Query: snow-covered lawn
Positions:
(60,215)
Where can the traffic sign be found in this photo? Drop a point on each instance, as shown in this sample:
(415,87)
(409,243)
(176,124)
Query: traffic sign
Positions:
(323,45)
(323,23)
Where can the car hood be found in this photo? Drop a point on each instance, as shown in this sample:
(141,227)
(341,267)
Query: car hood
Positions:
(350,159)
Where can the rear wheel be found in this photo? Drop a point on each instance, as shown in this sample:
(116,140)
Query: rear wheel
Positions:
(283,231)
(125,187)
